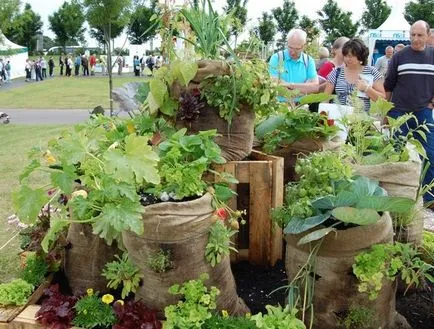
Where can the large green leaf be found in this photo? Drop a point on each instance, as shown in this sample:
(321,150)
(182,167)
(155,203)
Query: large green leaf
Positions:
(116,164)
(324,203)
(65,179)
(184,71)
(158,90)
(169,107)
(56,227)
(315,98)
(355,215)
(384,203)
(28,203)
(223,192)
(142,159)
(29,169)
(364,186)
(315,235)
(298,225)
(269,125)
(152,103)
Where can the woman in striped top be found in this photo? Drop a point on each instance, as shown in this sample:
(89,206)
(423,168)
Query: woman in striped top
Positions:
(355,75)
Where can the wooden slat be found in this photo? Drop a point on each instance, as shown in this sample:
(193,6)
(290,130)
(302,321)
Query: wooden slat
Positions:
(7,314)
(277,201)
(259,207)
(26,319)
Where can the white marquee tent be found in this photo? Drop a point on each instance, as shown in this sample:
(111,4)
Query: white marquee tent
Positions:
(394,30)
(14,53)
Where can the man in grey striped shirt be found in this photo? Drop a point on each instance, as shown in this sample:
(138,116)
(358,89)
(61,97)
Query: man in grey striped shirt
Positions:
(409,84)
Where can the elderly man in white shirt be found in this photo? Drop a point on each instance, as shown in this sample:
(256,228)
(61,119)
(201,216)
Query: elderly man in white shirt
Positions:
(383,62)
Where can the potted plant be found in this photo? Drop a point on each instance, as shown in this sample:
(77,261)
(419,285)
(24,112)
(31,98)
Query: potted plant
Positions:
(350,217)
(113,180)
(298,132)
(210,93)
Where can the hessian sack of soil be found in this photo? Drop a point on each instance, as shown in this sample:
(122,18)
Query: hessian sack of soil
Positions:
(335,285)
(180,229)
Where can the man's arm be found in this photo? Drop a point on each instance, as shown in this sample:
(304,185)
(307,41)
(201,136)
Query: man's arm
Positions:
(309,87)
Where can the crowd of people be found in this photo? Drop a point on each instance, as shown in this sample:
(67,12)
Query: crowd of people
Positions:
(404,76)
(5,71)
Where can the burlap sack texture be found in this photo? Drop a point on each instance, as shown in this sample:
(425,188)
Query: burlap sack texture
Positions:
(336,285)
(399,179)
(182,228)
(236,140)
(302,148)
(86,258)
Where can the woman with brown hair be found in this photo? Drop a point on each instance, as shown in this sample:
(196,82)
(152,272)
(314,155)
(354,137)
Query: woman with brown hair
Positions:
(355,76)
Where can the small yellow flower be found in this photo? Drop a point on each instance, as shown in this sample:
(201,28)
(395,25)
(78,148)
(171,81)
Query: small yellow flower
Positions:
(107,299)
(78,193)
(120,301)
(225,314)
(248,315)
(131,128)
(89,292)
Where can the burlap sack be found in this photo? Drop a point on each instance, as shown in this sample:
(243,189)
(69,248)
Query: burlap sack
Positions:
(336,285)
(397,178)
(304,147)
(182,228)
(86,258)
(236,140)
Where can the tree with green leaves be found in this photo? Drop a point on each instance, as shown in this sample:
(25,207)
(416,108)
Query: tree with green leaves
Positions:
(104,14)
(335,22)
(24,28)
(266,28)
(286,18)
(141,28)
(238,12)
(375,14)
(67,23)
(310,27)
(420,10)
(8,10)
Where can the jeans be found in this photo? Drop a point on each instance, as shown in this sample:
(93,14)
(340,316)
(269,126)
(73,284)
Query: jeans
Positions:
(424,116)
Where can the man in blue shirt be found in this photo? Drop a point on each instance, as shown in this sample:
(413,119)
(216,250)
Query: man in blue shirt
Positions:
(293,68)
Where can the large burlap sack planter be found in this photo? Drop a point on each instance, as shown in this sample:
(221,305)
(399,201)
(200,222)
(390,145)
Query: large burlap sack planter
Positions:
(397,178)
(335,285)
(182,228)
(86,258)
(236,140)
(304,147)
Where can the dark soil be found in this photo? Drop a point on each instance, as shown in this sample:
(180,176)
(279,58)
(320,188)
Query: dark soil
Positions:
(255,284)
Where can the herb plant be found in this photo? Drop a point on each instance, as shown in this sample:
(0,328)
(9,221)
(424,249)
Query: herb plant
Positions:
(358,318)
(15,292)
(386,262)
(122,272)
(34,270)
(317,173)
(219,243)
(195,306)
(134,315)
(160,261)
(354,202)
(278,317)
(228,322)
(92,311)
(57,311)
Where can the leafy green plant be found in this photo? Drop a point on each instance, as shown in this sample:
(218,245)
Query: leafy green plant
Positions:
(278,317)
(15,292)
(184,160)
(372,144)
(160,261)
(427,249)
(94,312)
(386,262)
(219,243)
(122,272)
(194,308)
(317,173)
(358,318)
(228,322)
(285,128)
(34,270)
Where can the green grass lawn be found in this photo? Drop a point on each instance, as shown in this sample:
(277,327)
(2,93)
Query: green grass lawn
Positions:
(62,93)
(15,142)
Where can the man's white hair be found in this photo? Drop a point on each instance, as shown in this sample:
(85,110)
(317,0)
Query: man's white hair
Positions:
(297,33)
(323,52)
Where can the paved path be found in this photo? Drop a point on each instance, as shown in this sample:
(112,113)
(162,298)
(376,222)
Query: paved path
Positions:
(48,116)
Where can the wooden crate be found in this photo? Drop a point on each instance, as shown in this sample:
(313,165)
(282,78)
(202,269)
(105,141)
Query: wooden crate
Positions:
(264,174)
(26,319)
(7,314)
